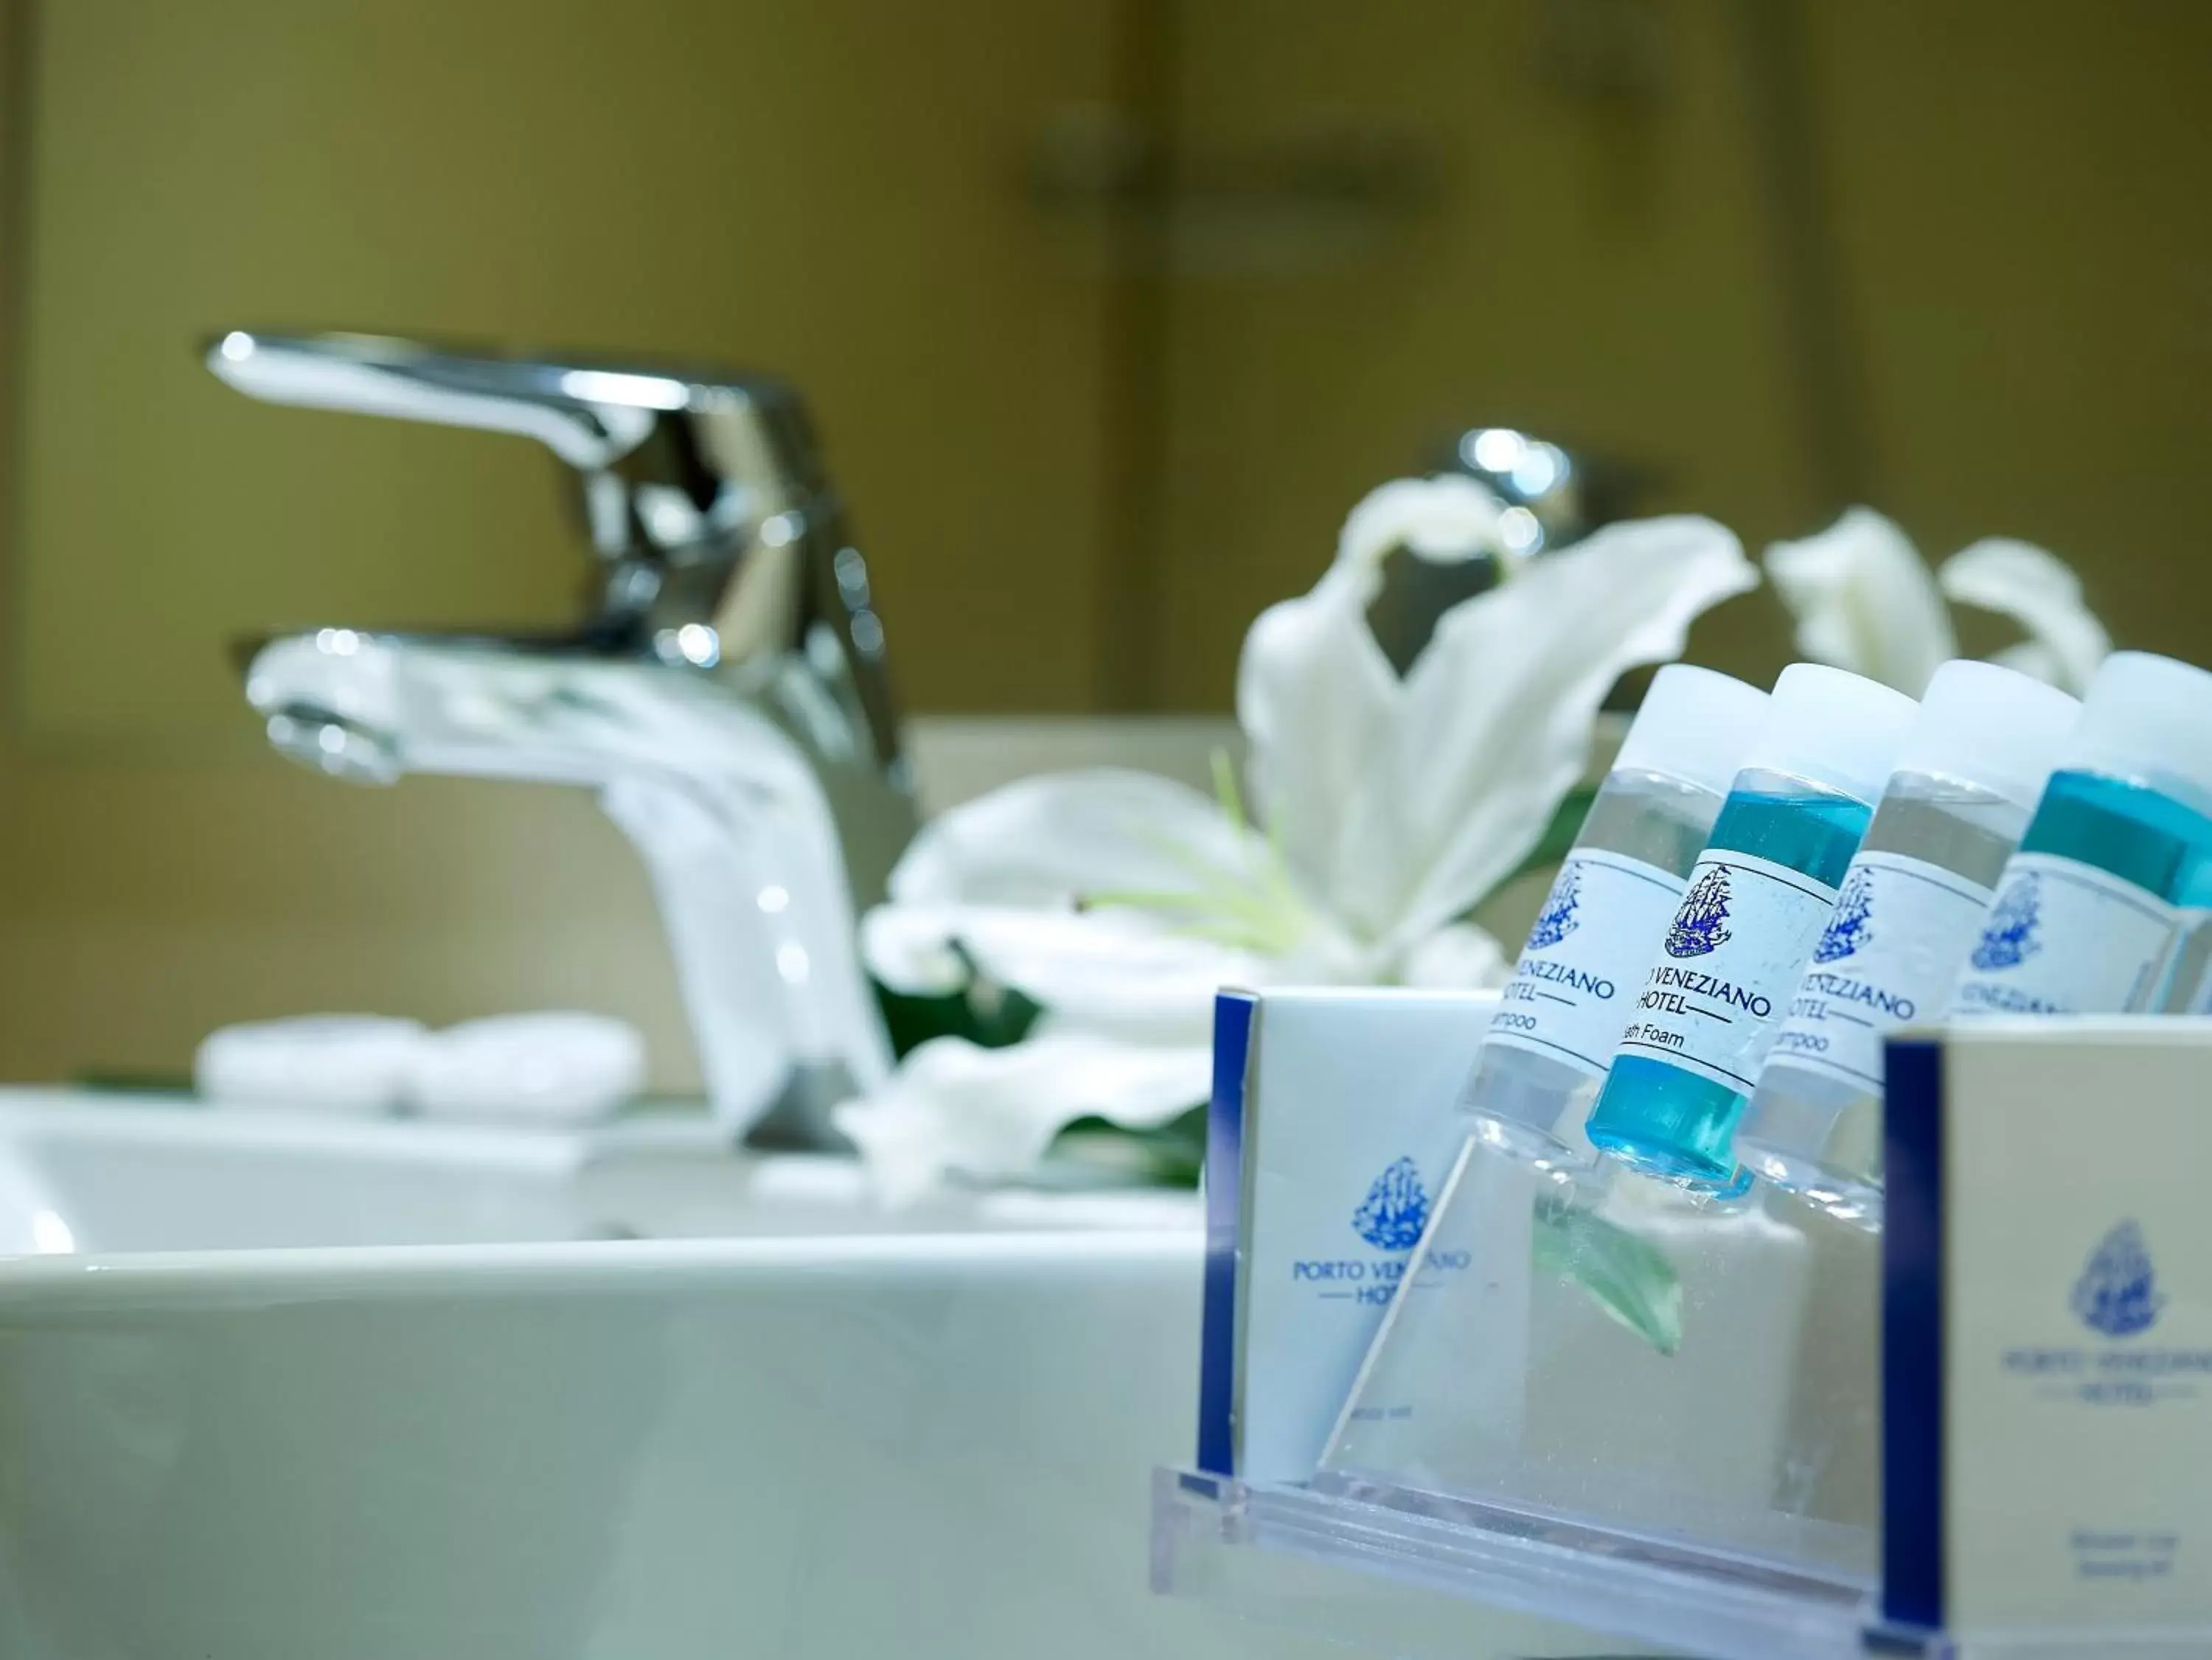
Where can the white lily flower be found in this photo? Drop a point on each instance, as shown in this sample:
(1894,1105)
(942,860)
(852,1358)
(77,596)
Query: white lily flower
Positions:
(1120,902)
(1446,518)
(2040,591)
(1865,601)
(954,1106)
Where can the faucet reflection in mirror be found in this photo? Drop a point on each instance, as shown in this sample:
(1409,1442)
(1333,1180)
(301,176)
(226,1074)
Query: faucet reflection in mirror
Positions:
(1385,805)
(724,693)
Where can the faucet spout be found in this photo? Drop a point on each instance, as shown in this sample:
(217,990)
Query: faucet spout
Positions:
(730,817)
(725,692)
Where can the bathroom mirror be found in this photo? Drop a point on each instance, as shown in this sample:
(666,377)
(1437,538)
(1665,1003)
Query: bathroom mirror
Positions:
(1107,309)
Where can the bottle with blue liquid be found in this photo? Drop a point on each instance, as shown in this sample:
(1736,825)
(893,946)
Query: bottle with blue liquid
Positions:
(1911,909)
(1561,1014)
(2089,916)
(1758,902)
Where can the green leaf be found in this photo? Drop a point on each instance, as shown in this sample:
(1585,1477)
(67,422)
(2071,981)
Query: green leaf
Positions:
(1626,1276)
(1172,1154)
(995,1022)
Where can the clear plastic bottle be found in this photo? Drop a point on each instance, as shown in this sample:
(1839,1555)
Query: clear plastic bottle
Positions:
(2088,914)
(2189,985)
(1911,908)
(2189,990)
(1758,902)
(1561,1013)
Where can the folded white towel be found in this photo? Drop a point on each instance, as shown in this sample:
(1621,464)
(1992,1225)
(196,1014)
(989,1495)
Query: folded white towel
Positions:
(556,1067)
(357,1064)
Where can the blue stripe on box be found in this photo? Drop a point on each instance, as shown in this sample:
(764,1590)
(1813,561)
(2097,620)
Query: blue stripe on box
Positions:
(1912,1337)
(1234,1012)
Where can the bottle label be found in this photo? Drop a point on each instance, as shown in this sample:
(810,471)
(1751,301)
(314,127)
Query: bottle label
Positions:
(1890,955)
(1578,972)
(2066,938)
(1727,968)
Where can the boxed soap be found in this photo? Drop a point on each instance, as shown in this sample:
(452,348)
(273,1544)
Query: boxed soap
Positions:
(1333,1122)
(2047,1327)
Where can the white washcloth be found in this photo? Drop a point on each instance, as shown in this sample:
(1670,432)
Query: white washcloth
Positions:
(556,1067)
(552,1067)
(357,1063)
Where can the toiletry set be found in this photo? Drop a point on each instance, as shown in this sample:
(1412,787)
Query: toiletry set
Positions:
(1757,1245)
(1748,1428)
(1767,889)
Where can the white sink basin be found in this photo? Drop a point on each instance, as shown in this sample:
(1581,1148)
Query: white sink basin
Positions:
(843,1435)
(98,1174)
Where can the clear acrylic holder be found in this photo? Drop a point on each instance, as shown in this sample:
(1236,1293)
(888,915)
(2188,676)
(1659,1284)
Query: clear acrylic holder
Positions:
(1582,1345)
(1635,1417)
(1602,1399)
(1652,1419)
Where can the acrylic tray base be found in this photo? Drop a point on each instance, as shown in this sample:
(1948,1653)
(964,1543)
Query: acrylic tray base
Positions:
(1391,1573)
(1416,1572)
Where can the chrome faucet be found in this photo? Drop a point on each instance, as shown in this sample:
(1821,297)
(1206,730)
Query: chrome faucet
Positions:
(726,695)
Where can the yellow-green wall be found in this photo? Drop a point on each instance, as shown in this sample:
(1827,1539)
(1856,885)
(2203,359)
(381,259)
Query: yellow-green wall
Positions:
(1078,475)
(827,190)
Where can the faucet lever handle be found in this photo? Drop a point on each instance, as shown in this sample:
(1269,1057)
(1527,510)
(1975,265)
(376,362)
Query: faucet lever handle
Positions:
(675,468)
(589,415)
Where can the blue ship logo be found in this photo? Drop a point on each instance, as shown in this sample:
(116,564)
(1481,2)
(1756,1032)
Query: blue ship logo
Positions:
(2117,1292)
(1395,1210)
(1558,920)
(1698,928)
(2011,936)
(1851,929)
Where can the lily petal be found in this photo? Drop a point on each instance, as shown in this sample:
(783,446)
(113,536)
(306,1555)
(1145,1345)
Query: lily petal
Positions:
(1864,601)
(1110,967)
(910,949)
(2040,591)
(1059,839)
(1316,694)
(1317,700)
(991,1113)
(1499,712)
(1450,517)
(1116,898)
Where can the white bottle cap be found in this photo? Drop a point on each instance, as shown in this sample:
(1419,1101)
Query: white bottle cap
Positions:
(1694,726)
(1989,726)
(2148,717)
(1835,729)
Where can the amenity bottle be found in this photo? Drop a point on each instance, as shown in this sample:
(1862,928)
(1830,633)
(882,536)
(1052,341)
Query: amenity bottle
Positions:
(1911,908)
(2088,918)
(1582,965)
(1758,902)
